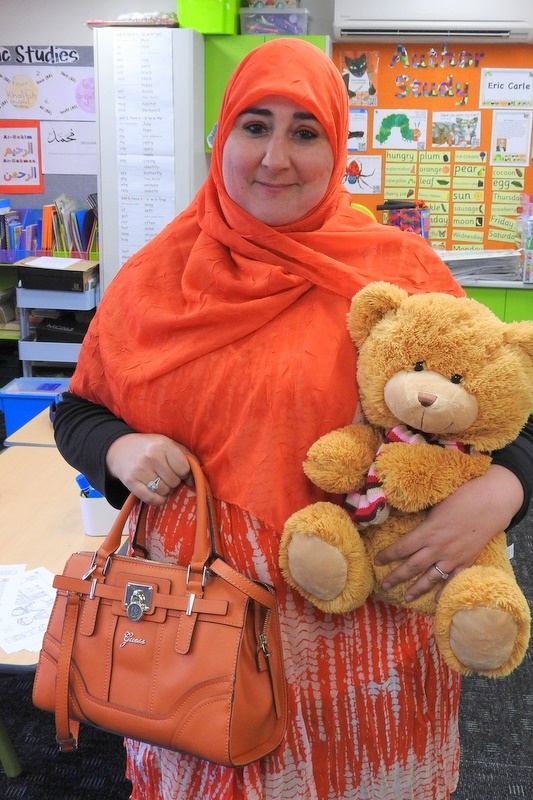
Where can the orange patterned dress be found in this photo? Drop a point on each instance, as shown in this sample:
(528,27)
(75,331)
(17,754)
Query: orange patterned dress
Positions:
(372,707)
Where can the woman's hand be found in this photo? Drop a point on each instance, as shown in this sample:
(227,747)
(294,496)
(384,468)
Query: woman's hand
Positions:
(140,459)
(455,531)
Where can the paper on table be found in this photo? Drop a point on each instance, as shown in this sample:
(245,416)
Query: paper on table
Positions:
(7,571)
(52,262)
(27,602)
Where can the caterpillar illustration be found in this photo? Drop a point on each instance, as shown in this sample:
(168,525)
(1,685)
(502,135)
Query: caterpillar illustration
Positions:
(400,121)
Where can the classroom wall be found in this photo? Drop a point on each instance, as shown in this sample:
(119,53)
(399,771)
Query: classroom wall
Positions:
(56,22)
(436,170)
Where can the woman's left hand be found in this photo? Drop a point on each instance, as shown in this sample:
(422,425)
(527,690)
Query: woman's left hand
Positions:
(454,532)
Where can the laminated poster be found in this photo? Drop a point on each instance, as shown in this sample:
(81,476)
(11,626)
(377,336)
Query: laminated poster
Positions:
(511,138)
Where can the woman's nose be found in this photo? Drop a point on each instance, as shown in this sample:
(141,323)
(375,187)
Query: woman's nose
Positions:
(276,155)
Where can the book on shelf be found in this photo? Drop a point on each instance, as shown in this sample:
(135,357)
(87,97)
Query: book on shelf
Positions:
(82,223)
(92,202)
(47,236)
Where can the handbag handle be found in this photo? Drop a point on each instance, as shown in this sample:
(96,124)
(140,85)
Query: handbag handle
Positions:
(207,545)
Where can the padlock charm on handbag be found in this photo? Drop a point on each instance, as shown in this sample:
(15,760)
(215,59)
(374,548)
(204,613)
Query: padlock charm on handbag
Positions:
(137,600)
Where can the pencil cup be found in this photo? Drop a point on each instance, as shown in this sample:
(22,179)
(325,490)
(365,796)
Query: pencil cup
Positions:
(97,514)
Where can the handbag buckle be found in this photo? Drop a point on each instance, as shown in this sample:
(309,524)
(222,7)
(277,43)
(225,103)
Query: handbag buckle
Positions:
(137,600)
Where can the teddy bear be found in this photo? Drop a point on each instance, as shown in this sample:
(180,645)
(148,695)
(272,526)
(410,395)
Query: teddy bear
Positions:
(442,383)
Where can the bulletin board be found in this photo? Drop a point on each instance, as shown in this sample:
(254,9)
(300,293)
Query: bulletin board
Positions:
(48,133)
(449,124)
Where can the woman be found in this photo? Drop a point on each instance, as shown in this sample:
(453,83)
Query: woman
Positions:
(227,334)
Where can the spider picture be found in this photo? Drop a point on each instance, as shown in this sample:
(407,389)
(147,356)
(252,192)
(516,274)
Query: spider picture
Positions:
(354,174)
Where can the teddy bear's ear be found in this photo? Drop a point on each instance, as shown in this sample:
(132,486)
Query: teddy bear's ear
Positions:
(520,334)
(370,305)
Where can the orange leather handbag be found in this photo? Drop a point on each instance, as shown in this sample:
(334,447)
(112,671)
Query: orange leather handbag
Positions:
(189,658)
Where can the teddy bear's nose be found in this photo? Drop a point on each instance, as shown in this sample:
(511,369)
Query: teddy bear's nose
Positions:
(426,399)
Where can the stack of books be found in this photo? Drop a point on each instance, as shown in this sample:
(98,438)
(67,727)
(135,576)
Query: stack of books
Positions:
(483,265)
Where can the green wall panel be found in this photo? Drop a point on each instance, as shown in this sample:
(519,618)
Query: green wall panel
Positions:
(492,298)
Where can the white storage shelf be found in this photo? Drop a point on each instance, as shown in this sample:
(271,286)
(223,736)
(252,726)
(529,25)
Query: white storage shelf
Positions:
(71,301)
(60,352)
(31,350)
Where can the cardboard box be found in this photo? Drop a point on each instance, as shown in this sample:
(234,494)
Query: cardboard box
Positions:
(23,398)
(66,328)
(57,274)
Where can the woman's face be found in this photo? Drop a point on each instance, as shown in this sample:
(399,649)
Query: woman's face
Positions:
(277,161)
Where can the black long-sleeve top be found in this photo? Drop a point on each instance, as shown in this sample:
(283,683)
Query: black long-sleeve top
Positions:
(84,432)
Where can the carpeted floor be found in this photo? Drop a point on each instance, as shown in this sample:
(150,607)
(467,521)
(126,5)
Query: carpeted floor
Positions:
(94,772)
(496,728)
(497,715)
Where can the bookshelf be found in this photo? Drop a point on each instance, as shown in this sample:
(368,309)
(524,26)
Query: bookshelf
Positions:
(8,280)
(31,350)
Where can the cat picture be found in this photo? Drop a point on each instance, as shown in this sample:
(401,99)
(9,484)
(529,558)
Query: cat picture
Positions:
(357,77)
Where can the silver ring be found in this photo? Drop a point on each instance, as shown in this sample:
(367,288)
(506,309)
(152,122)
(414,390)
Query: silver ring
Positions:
(153,485)
(444,575)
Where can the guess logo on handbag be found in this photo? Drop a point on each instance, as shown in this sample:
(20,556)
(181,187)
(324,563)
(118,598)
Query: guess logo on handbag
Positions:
(130,638)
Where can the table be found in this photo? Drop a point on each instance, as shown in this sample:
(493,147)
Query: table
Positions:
(41,516)
(37,432)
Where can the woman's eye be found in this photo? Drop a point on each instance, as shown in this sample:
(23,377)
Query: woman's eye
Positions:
(306,134)
(456,378)
(419,366)
(255,128)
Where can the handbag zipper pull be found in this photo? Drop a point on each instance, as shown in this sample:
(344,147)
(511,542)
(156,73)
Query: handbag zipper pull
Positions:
(263,644)
(264,649)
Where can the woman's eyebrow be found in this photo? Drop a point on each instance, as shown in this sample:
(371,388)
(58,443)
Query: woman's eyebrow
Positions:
(265,112)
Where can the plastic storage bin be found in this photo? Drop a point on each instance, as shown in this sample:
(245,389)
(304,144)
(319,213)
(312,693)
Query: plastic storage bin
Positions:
(278,4)
(209,16)
(275,21)
(23,398)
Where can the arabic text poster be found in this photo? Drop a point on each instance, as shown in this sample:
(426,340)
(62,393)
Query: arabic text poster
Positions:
(69,148)
(21,168)
(401,130)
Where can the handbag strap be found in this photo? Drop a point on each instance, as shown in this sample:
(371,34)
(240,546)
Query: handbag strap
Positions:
(67,729)
(207,544)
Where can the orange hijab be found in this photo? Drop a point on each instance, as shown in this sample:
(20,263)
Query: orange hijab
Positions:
(230,336)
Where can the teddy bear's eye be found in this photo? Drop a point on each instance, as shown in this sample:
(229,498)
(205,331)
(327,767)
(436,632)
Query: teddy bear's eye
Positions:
(456,378)
(419,366)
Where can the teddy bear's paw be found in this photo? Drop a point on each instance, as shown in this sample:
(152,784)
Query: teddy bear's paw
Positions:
(323,557)
(339,460)
(482,622)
